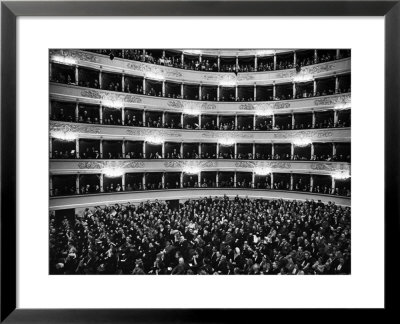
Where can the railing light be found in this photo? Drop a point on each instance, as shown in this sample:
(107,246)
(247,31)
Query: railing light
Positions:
(113,172)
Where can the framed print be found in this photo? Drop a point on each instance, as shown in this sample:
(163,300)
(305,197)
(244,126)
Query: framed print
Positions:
(235,155)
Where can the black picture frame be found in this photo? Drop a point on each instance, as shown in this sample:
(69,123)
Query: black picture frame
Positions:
(10,10)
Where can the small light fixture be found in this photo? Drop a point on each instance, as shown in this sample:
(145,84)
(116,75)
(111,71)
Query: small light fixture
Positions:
(155,140)
(262,171)
(226,141)
(64,136)
(190,169)
(341,175)
(302,142)
(113,172)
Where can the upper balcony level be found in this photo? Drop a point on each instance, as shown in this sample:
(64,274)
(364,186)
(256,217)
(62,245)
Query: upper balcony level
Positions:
(287,67)
(118,100)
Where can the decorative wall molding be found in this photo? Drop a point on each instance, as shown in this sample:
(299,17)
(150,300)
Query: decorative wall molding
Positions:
(263,164)
(76,55)
(73,128)
(303,134)
(181,105)
(113,97)
(227,135)
(314,69)
(343,99)
(152,132)
(110,164)
(264,106)
(181,164)
(166,71)
(320,166)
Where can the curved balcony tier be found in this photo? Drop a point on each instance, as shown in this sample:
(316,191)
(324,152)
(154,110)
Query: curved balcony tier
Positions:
(78,94)
(158,72)
(94,131)
(101,199)
(83,166)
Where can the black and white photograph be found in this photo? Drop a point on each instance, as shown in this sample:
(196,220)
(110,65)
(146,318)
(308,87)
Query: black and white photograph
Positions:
(208,161)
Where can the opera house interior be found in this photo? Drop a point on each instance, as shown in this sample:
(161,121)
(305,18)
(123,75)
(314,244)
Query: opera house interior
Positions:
(200,161)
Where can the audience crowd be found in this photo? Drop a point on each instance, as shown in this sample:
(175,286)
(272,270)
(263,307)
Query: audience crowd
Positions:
(210,236)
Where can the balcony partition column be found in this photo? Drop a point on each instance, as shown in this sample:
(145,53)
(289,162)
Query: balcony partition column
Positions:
(77,111)
(199,121)
(218,121)
(200,150)
(101,114)
(144,181)
(291,150)
(235,152)
(181,180)
(254,122)
(273,91)
(337,54)
(51,148)
(255,63)
(101,182)
(294,59)
(163,118)
(123,82)
(123,115)
(274,61)
(100,79)
(77,184)
(182,59)
(253,177)
(311,183)
(336,84)
(163,88)
(219,63)
(272,180)
(333,149)
(333,185)
(313,119)
(217,150)
(291,181)
(77,148)
(51,186)
(255,92)
(315,88)
(293,121)
(312,149)
(123,182)
(50,70)
(181,150)
(294,90)
(123,149)
(237,63)
(144,149)
(272,150)
(236,121)
(236,92)
(200,58)
(182,90)
(163,150)
(217,93)
(254,151)
(199,180)
(182,120)
(76,74)
(101,148)
(273,120)
(216,179)
(315,56)
(144,118)
(163,180)
(200,97)
(335,117)
(234,180)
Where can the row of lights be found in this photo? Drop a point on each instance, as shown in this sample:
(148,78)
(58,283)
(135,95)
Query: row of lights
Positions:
(118,172)
(156,140)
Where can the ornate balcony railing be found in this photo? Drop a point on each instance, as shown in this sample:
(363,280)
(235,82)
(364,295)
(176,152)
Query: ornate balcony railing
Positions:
(174,165)
(152,71)
(92,131)
(85,95)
